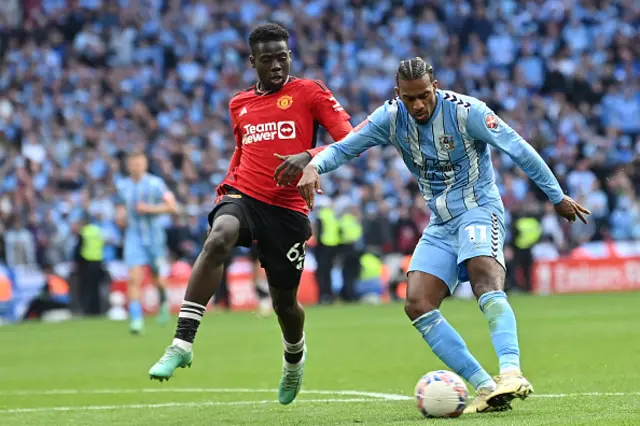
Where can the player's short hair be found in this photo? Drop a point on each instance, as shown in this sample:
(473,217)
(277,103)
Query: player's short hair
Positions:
(267,32)
(413,69)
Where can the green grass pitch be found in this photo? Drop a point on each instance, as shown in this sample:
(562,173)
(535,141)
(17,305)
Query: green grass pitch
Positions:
(581,353)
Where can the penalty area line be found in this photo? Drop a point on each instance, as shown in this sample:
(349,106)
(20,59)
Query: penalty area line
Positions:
(178,404)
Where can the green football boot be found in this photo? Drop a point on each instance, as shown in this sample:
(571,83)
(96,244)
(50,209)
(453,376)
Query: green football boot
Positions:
(291,380)
(173,358)
(136,326)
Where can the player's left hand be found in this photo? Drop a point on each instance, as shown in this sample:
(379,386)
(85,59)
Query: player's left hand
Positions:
(569,209)
(142,208)
(291,167)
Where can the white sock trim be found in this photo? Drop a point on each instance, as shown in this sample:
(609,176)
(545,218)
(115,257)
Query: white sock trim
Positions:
(182,344)
(191,310)
(425,315)
(293,348)
(190,315)
(194,304)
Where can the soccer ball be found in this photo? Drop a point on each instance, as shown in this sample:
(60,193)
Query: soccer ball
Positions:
(441,394)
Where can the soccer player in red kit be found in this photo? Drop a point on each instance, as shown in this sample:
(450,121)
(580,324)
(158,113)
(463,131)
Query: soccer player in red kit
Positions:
(275,123)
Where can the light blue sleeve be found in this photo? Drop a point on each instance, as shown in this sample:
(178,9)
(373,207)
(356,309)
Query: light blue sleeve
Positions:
(371,132)
(484,125)
(159,189)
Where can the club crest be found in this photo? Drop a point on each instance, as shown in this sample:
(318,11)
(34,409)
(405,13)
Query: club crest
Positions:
(285,102)
(447,143)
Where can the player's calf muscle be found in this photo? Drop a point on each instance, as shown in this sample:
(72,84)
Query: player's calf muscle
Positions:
(285,306)
(284,299)
(290,313)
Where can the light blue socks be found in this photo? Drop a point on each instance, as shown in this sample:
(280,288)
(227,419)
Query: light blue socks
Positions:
(448,345)
(502,325)
(135,311)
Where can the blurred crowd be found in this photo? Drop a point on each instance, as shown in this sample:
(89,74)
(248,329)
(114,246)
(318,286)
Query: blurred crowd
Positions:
(84,81)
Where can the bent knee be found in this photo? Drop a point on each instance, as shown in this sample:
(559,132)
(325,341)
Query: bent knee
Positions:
(415,308)
(219,243)
(425,293)
(216,246)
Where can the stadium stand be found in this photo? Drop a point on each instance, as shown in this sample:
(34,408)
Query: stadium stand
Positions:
(84,81)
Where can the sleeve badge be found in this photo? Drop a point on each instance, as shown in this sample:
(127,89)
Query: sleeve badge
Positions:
(492,122)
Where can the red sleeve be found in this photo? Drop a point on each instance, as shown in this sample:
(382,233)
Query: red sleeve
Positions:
(235,158)
(237,152)
(329,113)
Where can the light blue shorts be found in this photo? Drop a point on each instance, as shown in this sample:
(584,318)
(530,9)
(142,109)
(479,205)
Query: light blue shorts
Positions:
(136,254)
(443,249)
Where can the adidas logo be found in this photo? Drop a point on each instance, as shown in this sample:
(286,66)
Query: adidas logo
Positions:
(243,111)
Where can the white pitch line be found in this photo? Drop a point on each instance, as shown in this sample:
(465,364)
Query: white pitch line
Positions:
(368,397)
(364,397)
(377,395)
(574,395)
(173,405)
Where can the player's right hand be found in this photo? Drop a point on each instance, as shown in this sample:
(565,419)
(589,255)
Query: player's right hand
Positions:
(569,209)
(309,184)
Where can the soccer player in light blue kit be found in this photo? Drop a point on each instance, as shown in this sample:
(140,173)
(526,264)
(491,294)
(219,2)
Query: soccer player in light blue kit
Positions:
(142,198)
(445,139)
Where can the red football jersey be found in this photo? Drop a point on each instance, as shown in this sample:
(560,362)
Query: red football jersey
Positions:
(283,122)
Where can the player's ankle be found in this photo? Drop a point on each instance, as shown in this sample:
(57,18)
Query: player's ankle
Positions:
(293,352)
(509,363)
(182,344)
(510,370)
(488,386)
(189,318)
(294,363)
(293,358)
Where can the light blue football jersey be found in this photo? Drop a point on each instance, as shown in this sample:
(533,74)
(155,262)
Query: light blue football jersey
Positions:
(146,230)
(449,156)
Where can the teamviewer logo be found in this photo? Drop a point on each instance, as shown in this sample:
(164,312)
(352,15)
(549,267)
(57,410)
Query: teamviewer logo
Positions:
(286,130)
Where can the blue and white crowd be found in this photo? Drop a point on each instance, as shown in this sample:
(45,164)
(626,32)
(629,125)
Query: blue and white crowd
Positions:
(84,81)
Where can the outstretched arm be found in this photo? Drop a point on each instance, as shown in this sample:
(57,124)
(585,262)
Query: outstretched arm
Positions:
(371,132)
(366,135)
(483,124)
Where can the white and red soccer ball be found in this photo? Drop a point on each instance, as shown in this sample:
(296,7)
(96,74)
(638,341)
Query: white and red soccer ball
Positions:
(441,394)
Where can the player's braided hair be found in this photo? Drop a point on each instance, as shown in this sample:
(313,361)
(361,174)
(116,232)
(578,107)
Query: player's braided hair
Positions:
(268,32)
(413,69)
